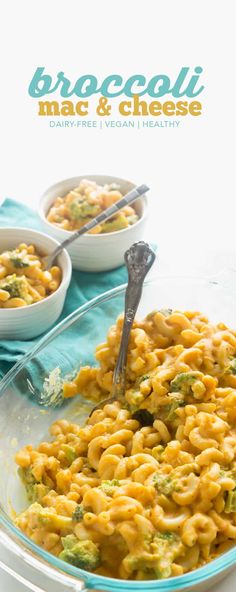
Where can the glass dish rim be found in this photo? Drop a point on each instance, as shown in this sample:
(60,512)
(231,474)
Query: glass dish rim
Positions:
(213,568)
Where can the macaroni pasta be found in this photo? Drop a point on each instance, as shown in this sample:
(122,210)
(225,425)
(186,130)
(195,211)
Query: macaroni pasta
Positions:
(23,279)
(87,201)
(147,488)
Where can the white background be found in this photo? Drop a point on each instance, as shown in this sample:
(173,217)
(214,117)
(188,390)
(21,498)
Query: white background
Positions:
(191,170)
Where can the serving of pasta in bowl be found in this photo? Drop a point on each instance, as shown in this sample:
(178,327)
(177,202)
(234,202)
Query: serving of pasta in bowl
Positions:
(31,297)
(140,494)
(69,204)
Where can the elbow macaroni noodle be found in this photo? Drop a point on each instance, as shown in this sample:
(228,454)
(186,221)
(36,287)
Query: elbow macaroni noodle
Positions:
(23,279)
(85,202)
(154,479)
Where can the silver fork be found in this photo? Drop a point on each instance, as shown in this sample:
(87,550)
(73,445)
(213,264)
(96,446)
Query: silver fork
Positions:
(138,259)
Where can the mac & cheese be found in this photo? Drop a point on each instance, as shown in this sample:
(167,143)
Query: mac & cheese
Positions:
(87,201)
(23,279)
(147,488)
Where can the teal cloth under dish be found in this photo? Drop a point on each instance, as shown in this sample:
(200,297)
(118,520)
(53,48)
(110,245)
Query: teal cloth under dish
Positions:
(83,287)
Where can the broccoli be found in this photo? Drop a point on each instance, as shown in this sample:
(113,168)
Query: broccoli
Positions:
(167,546)
(108,486)
(167,536)
(117,223)
(17,260)
(182,383)
(157,452)
(156,560)
(144,377)
(150,565)
(69,452)
(17,287)
(171,409)
(34,489)
(83,209)
(230,504)
(163,483)
(232,366)
(83,554)
(78,514)
(144,417)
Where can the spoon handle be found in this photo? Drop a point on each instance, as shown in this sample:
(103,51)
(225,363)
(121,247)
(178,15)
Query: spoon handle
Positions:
(124,201)
(138,259)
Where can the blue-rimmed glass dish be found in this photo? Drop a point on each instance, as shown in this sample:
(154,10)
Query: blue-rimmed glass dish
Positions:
(23,420)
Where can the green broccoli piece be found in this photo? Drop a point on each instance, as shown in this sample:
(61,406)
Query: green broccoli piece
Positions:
(144,377)
(232,366)
(35,490)
(182,383)
(171,409)
(117,223)
(18,261)
(156,560)
(157,451)
(151,566)
(17,287)
(69,452)
(83,554)
(167,536)
(230,504)
(163,483)
(83,209)
(108,486)
(78,514)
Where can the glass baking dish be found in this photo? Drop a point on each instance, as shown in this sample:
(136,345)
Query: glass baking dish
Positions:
(23,420)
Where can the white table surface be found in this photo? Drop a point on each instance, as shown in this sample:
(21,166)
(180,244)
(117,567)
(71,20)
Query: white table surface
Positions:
(174,263)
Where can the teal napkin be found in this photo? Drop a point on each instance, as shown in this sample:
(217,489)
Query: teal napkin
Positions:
(83,287)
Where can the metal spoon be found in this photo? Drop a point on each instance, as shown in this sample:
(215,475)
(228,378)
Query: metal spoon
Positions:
(126,199)
(138,259)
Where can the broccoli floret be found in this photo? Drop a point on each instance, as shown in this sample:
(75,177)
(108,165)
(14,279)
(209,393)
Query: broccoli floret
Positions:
(230,504)
(117,223)
(18,261)
(182,383)
(108,486)
(156,560)
(157,451)
(144,417)
(144,377)
(232,366)
(83,209)
(171,409)
(83,554)
(34,489)
(78,514)
(69,452)
(17,287)
(163,483)
(167,536)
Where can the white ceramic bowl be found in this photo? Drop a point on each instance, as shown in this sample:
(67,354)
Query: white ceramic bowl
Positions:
(30,321)
(95,252)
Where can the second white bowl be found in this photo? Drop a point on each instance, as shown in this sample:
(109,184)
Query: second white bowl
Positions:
(95,252)
(30,321)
